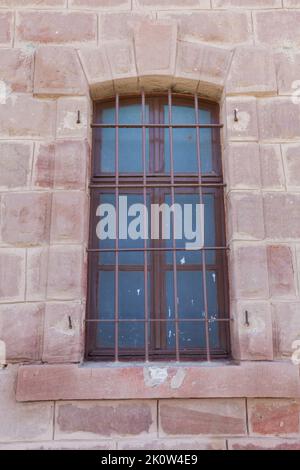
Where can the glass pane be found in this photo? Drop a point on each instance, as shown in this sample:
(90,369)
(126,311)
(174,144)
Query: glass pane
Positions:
(129,224)
(131,304)
(185,141)
(194,257)
(130,140)
(191,306)
(131,307)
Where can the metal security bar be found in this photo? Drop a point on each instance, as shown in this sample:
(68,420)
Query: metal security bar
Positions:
(155,179)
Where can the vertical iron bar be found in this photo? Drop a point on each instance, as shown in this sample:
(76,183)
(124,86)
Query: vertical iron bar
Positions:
(203,251)
(173,234)
(117,233)
(145,224)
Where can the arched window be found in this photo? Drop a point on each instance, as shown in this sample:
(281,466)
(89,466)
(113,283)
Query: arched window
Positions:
(157,289)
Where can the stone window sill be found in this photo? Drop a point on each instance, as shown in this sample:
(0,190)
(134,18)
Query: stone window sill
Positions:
(152,381)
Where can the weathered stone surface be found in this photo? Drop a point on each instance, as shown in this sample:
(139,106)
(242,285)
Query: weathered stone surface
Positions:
(279,119)
(194,417)
(63,332)
(21,328)
(291,156)
(61,165)
(204,63)
(172,4)
(245,216)
(213,26)
(282,216)
(58,72)
(253,341)
(36,274)
(56,27)
(67,125)
(6,28)
(12,269)
(65,272)
(15,164)
(22,421)
(274,417)
(70,382)
(245,78)
(288,70)
(101,4)
(277,28)
(120,25)
(286,323)
(272,174)
(24,116)
(246,127)
(61,445)
(281,271)
(33,3)
(248,4)
(107,418)
(155,45)
(16,67)
(263,444)
(243,165)
(69,217)
(121,58)
(25,218)
(172,444)
(249,272)
(97,71)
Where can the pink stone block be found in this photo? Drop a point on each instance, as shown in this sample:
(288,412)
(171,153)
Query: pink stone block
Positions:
(16,69)
(58,72)
(291,156)
(63,332)
(36,275)
(274,417)
(21,328)
(281,271)
(212,443)
(213,27)
(65,273)
(282,215)
(286,325)
(15,164)
(245,216)
(263,444)
(277,29)
(249,272)
(252,334)
(155,45)
(12,270)
(61,165)
(272,173)
(244,78)
(198,417)
(56,27)
(21,422)
(243,165)
(67,118)
(107,418)
(6,28)
(24,116)
(69,217)
(246,128)
(279,119)
(26,218)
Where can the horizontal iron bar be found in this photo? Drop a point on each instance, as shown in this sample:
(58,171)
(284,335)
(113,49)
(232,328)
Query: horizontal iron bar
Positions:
(159,126)
(130,320)
(110,250)
(155,185)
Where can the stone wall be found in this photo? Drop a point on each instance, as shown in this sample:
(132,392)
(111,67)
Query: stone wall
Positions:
(56,56)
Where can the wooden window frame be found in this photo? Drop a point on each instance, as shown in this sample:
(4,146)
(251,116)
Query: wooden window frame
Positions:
(158,181)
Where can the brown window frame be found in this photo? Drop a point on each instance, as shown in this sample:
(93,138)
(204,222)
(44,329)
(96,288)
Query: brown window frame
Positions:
(157,183)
